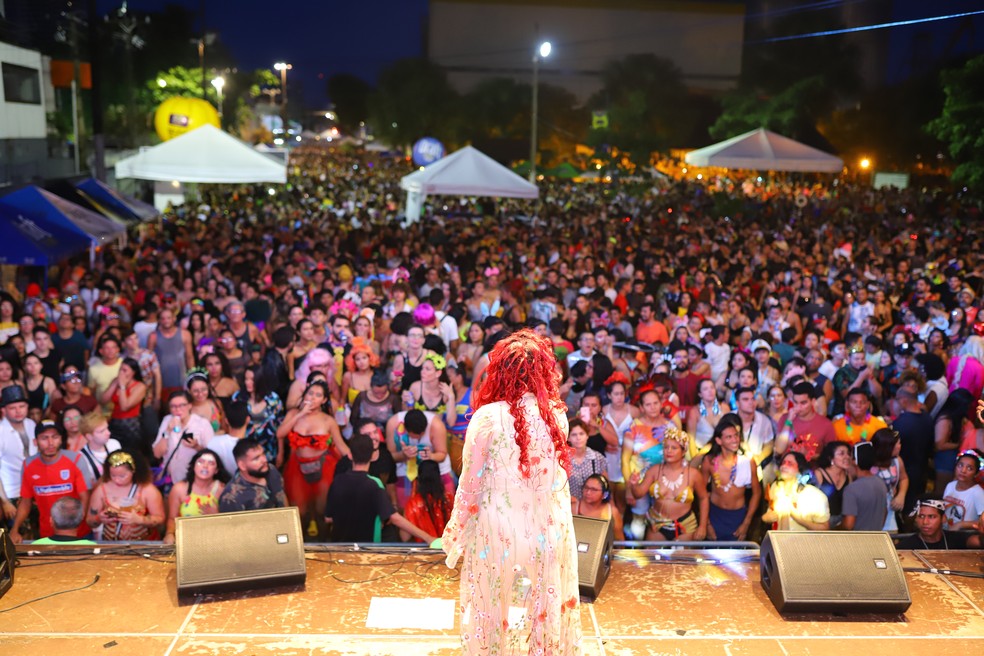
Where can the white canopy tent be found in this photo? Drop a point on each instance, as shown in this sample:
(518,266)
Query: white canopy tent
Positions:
(206,154)
(466,172)
(762,150)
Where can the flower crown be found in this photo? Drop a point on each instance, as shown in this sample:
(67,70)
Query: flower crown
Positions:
(194,373)
(439,361)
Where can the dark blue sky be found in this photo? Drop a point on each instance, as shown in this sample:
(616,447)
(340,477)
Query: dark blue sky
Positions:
(317,37)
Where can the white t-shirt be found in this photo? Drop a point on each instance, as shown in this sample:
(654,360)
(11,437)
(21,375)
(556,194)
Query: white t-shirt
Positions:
(719,357)
(91,462)
(962,505)
(223,445)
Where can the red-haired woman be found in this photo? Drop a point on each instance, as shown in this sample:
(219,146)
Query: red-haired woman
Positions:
(512,514)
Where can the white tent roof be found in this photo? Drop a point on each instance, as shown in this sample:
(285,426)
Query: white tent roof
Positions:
(206,154)
(764,151)
(469,172)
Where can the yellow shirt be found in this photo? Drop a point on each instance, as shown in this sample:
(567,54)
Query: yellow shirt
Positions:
(857,432)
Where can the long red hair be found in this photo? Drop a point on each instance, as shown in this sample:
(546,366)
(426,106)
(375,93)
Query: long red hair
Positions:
(523,363)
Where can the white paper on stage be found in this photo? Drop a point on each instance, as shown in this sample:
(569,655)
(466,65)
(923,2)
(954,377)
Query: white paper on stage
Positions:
(399,613)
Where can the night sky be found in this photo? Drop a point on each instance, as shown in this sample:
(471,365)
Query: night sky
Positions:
(316,37)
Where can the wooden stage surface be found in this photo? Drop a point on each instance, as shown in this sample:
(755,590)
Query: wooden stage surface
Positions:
(648,607)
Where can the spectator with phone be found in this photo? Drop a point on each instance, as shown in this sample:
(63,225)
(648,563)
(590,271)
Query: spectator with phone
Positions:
(182,434)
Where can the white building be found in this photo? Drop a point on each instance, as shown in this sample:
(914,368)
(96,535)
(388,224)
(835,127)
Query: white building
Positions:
(26,94)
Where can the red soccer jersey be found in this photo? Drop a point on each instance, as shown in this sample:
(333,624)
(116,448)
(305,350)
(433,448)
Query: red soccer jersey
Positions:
(46,484)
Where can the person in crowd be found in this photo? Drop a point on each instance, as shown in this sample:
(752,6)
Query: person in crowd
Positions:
(704,417)
(126,394)
(834,471)
(72,392)
(41,390)
(220,376)
(430,504)
(360,364)
(357,506)
(931,534)
(891,469)
(412,437)
(99,443)
(264,407)
(48,475)
(204,402)
(794,503)
(16,445)
(223,444)
(198,494)
(857,424)
(105,369)
(642,448)
(181,435)
(865,503)
(255,485)
(125,503)
(735,490)
(673,487)
(963,496)
(948,430)
(596,502)
(433,392)
(916,441)
(584,461)
(805,431)
(70,421)
(67,518)
(316,445)
(173,347)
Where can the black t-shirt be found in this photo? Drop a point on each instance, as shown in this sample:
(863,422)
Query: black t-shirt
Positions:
(355,502)
(950,540)
(383,467)
(916,436)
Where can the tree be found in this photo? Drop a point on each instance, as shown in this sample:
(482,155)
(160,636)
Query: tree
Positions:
(791,112)
(961,124)
(350,96)
(499,108)
(647,105)
(413,99)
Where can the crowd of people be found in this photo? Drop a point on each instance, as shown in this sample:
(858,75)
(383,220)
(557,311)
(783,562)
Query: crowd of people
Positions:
(735,355)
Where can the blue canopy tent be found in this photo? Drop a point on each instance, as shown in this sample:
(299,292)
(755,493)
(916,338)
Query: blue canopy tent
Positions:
(45,208)
(32,241)
(109,200)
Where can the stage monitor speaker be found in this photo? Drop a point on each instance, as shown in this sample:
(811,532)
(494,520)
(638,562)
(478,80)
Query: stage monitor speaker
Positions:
(594,539)
(239,551)
(833,572)
(7,555)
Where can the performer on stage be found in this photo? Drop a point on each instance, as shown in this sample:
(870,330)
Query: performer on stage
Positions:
(512,513)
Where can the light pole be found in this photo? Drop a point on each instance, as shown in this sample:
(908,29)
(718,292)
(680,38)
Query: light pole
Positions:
(542,52)
(283,68)
(219,82)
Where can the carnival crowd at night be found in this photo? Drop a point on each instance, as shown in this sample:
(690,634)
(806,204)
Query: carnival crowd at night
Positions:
(736,355)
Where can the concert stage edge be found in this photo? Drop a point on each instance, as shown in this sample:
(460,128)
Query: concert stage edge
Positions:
(123,601)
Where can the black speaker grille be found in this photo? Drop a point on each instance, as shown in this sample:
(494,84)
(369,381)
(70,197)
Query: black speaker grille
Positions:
(840,565)
(245,545)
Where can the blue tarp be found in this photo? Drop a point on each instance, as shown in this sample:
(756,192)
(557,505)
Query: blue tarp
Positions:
(106,198)
(45,207)
(33,241)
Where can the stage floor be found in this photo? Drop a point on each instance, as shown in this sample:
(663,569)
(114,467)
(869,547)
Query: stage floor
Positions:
(647,607)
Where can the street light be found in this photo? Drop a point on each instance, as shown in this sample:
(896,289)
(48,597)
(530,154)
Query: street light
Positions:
(219,82)
(542,52)
(283,67)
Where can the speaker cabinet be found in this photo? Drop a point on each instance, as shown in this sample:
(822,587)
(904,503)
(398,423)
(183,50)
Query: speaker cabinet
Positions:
(833,572)
(7,555)
(594,539)
(239,551)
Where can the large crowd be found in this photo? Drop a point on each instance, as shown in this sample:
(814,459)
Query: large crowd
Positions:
(735,354)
